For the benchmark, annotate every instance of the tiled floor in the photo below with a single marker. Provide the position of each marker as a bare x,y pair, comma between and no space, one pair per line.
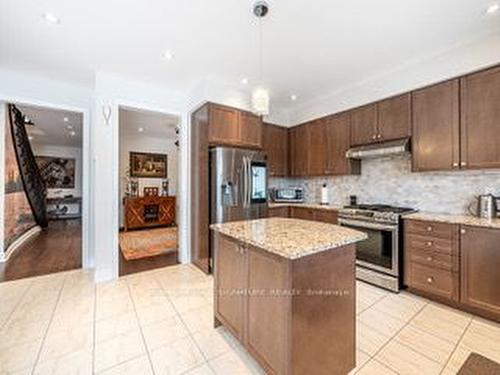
160,322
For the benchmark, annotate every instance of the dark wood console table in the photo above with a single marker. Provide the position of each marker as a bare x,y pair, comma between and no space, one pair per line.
150,211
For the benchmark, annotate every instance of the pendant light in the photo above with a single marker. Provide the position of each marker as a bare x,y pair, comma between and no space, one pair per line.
260,95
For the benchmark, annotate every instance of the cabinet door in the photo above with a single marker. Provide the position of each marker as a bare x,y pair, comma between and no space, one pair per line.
303,213
275,144
250,130
230,269
278,212
394,118
299,154
223,125
338,131
317,148
364,125
480,259
480,137
267,337
436,125
326,216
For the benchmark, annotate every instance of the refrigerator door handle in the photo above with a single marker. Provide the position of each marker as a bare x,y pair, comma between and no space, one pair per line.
245,182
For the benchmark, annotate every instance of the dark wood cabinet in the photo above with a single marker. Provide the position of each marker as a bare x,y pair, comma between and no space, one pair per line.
299,152
364,125
480,122
394,118
275,145
233,127
480,265
317,148
278,212
436,127
337,135
314,214
230,276
147,212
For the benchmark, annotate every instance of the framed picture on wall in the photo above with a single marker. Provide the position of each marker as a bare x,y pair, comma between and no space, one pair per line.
147,165
58,173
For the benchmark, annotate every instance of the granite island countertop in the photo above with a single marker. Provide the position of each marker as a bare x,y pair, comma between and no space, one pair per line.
290,238
316,206
455,219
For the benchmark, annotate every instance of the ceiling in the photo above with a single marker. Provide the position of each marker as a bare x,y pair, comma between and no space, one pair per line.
135,122
310,47
51,128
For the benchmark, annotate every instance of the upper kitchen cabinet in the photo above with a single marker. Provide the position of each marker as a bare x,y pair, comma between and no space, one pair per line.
232,127
364,125
275,145
338,134
317,148
480,126
394,118
383,121
436,127
299,150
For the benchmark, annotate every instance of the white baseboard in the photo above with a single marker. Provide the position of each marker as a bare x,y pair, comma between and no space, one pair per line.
20,241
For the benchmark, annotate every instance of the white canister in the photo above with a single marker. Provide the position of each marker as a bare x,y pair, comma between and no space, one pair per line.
324,195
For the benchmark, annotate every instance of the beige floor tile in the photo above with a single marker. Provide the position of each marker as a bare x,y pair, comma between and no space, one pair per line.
108,307
201,370
199,319
19,357
404,360
237,361
484,338
109,328
177,357
429,345
457,359
164,332
118,350
15,333
445,323
381,321
61,342
77,363
368,339
374,367
399,306
213,342
361,359
187,300
155,313
136,366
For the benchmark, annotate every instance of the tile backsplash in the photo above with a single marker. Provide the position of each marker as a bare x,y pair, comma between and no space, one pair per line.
390,181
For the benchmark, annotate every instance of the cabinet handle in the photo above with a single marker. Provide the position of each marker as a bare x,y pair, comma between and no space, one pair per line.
379,136
374,136
462,231
429,259
429,229
455,165
429,243
463,164
430,280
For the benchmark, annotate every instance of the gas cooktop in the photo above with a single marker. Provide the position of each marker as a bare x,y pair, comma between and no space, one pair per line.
374,212
380,208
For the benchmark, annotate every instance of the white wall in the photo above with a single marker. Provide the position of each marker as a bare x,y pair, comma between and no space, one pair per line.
143,143
63,152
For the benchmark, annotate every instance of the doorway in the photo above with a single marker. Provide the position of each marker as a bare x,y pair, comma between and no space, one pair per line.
54,137
148,189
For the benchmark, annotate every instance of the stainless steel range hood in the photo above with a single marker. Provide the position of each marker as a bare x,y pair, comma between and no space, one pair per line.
378,150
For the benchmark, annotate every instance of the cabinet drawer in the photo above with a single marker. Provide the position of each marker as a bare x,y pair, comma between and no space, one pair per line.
439,245
431,229
326,216
433,259
433,280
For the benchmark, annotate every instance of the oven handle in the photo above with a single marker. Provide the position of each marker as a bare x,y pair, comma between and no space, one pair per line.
362,224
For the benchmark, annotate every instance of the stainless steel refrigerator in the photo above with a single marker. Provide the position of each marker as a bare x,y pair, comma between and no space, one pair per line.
238,184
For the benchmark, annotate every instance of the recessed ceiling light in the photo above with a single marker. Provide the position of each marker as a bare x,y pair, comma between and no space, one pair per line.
140,130
493,8
72,133
168,55
51,18
293,97
244,81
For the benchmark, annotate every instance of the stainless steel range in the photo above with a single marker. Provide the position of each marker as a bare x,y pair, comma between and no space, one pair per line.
379,258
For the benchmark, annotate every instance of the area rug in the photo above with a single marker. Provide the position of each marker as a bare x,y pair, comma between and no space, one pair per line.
147,243
478,365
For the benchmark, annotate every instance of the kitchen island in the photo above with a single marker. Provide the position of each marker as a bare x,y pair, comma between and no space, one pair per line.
286,288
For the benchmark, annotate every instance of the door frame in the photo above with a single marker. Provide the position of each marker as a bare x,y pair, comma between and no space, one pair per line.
87,254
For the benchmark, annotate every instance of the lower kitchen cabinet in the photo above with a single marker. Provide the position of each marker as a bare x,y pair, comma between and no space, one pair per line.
454,264
278,212
314,214
480,269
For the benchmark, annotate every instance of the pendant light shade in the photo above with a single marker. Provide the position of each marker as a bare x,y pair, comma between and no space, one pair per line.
260,101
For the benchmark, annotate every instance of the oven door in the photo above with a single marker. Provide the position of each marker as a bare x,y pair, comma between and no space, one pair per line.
380,251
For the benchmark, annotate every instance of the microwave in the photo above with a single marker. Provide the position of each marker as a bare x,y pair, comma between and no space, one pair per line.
286,195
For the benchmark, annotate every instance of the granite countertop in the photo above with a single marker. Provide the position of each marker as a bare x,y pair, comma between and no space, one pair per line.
455,219
290,238
315,206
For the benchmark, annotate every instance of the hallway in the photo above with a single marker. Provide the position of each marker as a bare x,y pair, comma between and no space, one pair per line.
56,249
